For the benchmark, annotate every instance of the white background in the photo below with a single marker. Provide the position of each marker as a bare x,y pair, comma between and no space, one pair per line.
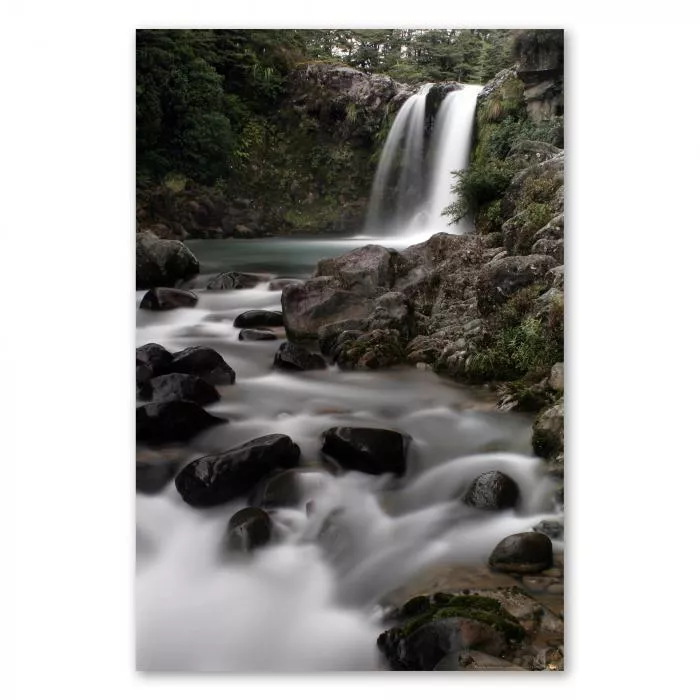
66,345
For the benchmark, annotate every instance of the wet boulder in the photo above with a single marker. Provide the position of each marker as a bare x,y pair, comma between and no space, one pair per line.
554,529
281,282
248,529
220,478
329,336
257,318
492,491
232,280
161,263
172,421
256,334
155,357
548,432
370,450
365,271
203,362
293,357
318,302
523,553
155,469
393,311
183,387
500,279
279,490
166,299
374,350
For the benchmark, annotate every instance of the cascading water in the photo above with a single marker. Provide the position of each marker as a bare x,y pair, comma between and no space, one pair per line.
410,202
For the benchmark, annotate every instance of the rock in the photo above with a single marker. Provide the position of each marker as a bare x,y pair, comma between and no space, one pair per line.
364,270
523,553
282,282
143,376
155,469
553,229
183,387
531,152
548,246
165,299
556,376
552,528
552,169
370,450
318,302
291,356
281,490
247,530
500,279
203,362
155,357
255,318
555,278
492,491
393,311
172,421
160,262
219,478
256,334
374,350
548,431
328,335
233,280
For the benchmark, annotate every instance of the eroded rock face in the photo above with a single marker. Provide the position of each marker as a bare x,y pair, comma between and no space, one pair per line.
293,357
172,421
203,362
162,262
492,491
219,478
369,450
248,529
523,553
166,299
500,279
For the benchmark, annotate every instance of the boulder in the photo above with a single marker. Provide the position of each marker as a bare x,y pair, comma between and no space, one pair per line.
393,311
374,350
155,469
329,335
143,376
233,280
548,431
291,356
552,169
318,302
160,262
155,357
203,362
549,246
500,279
172,421
279,490
258,317
556,376
370,450
282,282
554,529
166,299
256,334
183,387
492,491
247,530
220,478
523,553
365,270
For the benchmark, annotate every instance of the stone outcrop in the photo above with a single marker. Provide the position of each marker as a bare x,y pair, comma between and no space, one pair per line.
162,262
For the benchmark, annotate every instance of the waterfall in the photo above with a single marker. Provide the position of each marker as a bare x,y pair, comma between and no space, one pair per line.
412,187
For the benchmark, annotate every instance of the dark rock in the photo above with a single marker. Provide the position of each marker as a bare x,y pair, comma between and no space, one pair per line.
160,262
282,282
318,302
219,478
255,318
369,450
524,553
233,280
552,528
143,376
374,350
291,356
393,311
166,299
183,387
205,363
548,246
155,357
172,421
492,491
364,270
256,334
328,335
155,469
281,490
247,530
548,431
500,279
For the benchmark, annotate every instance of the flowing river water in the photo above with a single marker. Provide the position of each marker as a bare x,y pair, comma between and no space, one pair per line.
310,601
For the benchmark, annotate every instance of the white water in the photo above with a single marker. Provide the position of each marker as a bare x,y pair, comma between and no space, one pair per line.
412,203
310,601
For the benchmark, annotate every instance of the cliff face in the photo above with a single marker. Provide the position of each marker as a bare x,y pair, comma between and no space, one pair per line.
310,168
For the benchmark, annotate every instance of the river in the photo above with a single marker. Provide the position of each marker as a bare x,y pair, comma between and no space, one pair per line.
308,602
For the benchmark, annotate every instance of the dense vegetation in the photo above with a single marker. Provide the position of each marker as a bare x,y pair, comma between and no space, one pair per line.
203,96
